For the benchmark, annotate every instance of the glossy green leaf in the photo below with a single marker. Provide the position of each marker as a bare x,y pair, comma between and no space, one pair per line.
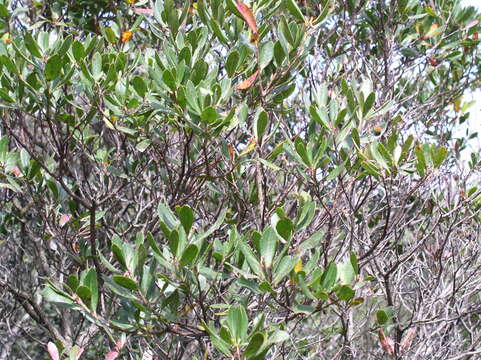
251,259
31,45
285,228
255,345
346,272
125,282
345,293
381,317
110,35
167,216
140,86
97,66
291,5
368,103
284,267
53,67
188,255
232,63
268,246
90,282
186,216
237,322
57,298
266,54
261,123
329,277
209,115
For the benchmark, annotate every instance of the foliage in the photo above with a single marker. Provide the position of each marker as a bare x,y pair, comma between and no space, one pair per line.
219,179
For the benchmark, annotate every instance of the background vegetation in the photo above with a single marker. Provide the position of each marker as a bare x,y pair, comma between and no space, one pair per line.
270,179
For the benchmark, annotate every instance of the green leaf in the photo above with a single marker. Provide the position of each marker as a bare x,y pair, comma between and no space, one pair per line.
278,336
4,11
279,54
438,154
119,290
53,67
255,345
6,97
266,54
268,246
55,297
284,267
269,164
97,66
266,287
140,86
302,151
169,79
294,10
186,216
308,212
329,277
174,243
261,122
324,13
368,103
381,317
421,163
117,249
72,282
148,277
32,45
237,322
354,263
110,35
251,259
218,31
91,282
5,60
84,293
125,282
232,63
334,173
285,228
167,216
345,293
217,341
189,255
217,225
172,18
303,309
346,272
313,241
209,115
143,145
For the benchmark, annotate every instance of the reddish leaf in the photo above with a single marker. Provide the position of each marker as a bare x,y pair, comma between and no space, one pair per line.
408,339
78,352
246,13
115,352
16,171
471,24
143,11
433,61
112,355
247,83
53,351
64,218
386,342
